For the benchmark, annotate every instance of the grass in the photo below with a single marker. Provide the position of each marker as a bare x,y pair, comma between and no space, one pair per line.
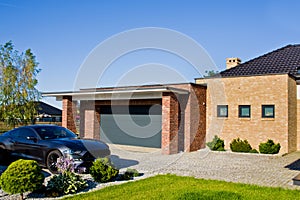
177,187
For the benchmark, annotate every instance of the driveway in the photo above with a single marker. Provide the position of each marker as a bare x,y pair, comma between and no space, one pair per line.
266,170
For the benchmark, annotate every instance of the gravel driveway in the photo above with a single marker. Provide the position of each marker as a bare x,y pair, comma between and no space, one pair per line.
266,170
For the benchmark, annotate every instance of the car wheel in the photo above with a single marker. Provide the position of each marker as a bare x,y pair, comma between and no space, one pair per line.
51,161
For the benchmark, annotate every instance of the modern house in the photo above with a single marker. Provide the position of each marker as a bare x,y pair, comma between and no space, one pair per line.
256,100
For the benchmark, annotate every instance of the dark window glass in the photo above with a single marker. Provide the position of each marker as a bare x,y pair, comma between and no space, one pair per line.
244,111
268,111
222,110
52,132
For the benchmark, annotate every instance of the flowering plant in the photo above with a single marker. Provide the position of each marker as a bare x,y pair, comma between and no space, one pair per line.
67,165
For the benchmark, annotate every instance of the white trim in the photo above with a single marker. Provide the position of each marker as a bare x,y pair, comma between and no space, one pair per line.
148,93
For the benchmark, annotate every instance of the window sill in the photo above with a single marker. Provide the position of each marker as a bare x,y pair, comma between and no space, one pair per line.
268,119
244,118
222,118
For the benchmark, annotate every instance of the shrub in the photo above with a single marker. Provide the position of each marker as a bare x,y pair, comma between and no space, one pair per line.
269,147
129,174
103,171
253,151
238,145
22,176
217,144
67,182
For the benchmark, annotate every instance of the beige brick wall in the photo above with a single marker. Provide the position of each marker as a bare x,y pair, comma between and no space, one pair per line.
298,124
279,90
292,113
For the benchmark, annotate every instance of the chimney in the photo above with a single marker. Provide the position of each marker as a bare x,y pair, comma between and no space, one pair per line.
232,62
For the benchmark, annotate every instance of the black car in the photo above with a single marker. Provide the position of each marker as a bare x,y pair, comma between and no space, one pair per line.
46,143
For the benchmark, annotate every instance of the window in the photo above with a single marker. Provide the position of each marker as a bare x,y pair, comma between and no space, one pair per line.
268,111
222,110
244,111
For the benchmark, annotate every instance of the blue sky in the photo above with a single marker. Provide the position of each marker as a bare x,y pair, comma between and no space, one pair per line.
63,33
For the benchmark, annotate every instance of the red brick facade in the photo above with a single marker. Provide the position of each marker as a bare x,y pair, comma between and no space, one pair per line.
183,117
170,123
68,113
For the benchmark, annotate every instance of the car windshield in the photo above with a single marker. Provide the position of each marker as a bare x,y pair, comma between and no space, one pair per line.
53,132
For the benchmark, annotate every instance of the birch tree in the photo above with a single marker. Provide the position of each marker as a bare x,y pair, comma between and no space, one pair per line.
18,81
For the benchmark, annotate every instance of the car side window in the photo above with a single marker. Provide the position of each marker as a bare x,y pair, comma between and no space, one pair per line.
14,133
23,133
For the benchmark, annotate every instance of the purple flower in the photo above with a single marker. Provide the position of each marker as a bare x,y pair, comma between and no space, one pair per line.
65,165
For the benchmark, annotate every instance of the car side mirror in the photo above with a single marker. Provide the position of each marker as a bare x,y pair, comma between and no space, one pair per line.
32,138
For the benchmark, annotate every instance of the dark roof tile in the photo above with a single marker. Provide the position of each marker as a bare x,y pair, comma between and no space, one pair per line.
43,108
285,60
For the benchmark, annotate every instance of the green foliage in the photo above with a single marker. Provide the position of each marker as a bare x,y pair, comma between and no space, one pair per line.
269,147
22,176
65,183
17,85
129,174
217,144
103,171
210,73
238,145
253,151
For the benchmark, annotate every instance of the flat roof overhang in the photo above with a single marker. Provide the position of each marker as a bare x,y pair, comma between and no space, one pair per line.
116,94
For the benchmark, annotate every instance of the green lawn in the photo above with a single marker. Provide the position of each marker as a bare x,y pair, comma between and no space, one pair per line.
177,187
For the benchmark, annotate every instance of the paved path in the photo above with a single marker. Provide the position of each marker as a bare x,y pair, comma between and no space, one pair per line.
267,170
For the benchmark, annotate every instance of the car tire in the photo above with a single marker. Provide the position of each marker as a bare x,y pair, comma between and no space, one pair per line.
51,161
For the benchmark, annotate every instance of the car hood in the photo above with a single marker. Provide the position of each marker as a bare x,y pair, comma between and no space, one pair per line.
81,144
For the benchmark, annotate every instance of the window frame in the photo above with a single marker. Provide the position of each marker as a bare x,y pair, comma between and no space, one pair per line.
219,107
240,111
263,113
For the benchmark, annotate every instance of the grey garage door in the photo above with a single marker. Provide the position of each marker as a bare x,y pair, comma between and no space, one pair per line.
131,125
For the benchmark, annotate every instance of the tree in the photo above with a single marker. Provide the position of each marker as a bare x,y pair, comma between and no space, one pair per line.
210,73
18,82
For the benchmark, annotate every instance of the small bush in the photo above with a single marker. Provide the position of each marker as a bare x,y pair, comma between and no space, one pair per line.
103,171
22,176
217,144
238,145
65,183
253,151
269,147
129,174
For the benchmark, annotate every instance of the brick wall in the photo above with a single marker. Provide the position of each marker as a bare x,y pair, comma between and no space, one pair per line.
292,115
89,120
183,117
68,113
255,91
170,123
192,129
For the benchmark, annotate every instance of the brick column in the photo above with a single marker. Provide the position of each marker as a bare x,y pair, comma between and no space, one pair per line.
170,123
89,120
195,139
68,111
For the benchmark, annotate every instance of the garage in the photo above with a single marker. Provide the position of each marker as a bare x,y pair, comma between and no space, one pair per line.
171,117
131,125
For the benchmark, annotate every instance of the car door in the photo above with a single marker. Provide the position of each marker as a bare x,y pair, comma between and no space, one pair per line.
26,144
